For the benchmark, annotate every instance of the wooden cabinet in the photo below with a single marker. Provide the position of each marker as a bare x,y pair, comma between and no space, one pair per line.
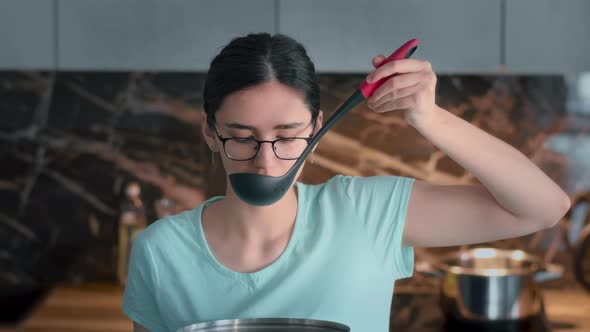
27,34
547,36
457,36
152,34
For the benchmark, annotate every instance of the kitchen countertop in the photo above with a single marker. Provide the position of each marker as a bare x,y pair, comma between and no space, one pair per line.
95,308
567,310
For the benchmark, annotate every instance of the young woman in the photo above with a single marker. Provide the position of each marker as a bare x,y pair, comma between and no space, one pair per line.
331,251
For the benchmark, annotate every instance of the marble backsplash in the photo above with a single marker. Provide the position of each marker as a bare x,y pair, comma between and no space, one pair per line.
70,141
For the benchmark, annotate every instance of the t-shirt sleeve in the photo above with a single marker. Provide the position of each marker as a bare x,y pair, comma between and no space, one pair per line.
139,299
381,202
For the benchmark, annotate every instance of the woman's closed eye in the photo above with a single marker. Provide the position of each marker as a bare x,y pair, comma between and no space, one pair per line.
287,139
244,140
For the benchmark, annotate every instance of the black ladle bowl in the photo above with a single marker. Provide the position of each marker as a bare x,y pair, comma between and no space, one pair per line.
258,189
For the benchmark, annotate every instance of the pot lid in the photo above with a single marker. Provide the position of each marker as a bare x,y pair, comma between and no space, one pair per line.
491,262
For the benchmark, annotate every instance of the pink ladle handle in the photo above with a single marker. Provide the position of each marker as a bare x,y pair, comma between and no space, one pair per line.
404,52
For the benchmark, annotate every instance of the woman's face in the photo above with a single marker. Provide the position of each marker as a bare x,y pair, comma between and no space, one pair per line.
266,111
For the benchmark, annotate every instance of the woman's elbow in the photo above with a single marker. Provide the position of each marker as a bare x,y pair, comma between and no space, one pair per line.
561,210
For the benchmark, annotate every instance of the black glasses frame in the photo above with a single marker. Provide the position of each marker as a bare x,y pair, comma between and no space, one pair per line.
223,140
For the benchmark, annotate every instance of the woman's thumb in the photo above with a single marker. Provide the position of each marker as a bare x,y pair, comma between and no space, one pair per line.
377,60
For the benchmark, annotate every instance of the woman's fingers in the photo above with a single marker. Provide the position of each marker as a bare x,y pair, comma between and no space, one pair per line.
398,104
390,87
409,87
397,94
376,61
398,67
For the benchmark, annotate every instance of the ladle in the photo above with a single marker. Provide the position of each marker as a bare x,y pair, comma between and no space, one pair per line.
259,189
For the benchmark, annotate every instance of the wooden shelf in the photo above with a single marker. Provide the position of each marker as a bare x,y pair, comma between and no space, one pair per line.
87,308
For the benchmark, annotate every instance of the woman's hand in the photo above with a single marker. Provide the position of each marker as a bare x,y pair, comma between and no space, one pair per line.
412,89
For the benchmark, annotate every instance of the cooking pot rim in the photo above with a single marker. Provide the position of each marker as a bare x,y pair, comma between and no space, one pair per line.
267,322
446,262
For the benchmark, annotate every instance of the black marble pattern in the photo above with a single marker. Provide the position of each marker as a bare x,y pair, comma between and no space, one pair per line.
69,141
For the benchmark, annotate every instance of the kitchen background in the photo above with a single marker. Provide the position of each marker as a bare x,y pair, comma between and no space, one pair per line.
95,95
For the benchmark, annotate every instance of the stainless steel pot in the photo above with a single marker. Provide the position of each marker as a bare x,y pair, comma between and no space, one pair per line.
488,284
267,325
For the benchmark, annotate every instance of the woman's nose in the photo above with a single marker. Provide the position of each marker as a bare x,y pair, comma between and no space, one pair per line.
266,155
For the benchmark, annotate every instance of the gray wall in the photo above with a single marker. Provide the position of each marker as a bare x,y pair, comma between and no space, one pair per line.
27,34
458,36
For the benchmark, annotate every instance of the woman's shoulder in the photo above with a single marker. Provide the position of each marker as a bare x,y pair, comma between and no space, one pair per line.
170,228
349,186
328,189
347,181
339,180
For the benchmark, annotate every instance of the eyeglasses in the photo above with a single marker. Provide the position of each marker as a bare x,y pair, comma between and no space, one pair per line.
243,149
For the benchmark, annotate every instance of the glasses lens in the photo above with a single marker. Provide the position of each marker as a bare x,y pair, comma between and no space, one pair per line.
290,148
241,148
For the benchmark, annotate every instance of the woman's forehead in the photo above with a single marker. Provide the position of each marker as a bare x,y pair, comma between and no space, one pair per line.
267,104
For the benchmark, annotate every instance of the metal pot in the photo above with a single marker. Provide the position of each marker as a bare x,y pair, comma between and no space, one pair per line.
267,325
488,284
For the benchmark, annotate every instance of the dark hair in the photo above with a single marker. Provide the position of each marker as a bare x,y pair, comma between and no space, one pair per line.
255,59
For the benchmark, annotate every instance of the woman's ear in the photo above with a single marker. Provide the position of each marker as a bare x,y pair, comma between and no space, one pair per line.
208,134
319,121
318,125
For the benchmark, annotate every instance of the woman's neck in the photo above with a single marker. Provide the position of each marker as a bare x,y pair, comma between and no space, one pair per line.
257,223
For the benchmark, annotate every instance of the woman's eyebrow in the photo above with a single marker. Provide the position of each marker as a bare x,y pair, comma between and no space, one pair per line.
291,125
235,125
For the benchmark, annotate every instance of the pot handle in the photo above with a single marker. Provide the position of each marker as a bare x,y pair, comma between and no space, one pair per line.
427,269
549,272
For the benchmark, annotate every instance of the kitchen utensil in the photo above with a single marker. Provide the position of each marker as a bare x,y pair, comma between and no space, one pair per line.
267,325
488,284
258,189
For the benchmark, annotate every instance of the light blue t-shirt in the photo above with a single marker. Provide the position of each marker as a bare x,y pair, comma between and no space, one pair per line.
340,264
